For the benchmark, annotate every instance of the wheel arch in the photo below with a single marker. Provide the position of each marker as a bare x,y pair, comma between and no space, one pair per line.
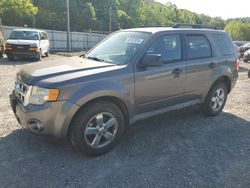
223,79
115,100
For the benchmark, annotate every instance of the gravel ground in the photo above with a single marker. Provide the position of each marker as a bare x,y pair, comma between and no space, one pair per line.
177,149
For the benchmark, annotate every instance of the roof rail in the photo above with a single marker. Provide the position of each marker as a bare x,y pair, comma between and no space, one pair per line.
195,26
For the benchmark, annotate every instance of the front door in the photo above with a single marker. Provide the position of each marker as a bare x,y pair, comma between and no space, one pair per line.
163,86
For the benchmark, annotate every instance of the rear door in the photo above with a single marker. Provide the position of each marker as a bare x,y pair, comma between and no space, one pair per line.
200,64
159,87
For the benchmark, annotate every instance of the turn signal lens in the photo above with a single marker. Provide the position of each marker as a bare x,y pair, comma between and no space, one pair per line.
53,94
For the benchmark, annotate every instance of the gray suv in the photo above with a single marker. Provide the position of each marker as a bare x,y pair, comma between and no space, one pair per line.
131,75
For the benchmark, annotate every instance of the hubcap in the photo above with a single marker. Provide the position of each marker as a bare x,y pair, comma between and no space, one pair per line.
101,130
218,99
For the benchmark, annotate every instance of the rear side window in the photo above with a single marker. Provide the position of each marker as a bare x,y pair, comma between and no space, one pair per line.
224,44
44,36
198,47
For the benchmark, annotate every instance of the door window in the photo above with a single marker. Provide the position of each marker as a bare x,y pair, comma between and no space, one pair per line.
168,46
198,47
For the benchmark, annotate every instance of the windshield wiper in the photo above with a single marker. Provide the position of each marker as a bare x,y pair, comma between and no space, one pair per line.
96,59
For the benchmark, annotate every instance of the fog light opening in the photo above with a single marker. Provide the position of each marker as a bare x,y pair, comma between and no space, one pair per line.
35,125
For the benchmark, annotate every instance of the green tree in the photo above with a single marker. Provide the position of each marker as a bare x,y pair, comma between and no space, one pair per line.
238,31
17,12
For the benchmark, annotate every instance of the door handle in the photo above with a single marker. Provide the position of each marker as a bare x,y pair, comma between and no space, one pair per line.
211,65
177,71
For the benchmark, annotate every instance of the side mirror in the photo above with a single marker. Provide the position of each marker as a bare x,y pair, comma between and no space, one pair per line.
151,60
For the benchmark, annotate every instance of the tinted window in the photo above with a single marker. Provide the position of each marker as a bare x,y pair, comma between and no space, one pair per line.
44,36
224,44
168,46
198,47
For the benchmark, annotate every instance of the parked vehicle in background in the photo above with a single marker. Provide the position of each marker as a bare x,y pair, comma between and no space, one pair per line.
239,44
2,45
27,43
237,49
131,75
244,48
246,56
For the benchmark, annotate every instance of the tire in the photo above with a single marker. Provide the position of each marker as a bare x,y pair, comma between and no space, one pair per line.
47,54
10,57
215,100
1,54
39,56
93,118
245,60
1,51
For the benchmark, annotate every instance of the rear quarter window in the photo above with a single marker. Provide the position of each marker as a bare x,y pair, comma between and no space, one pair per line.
224,44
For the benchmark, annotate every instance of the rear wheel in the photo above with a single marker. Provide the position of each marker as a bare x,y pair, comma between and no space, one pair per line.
216,100
47,54
97,128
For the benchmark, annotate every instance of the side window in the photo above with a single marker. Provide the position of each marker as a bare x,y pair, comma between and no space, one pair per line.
168,46
198,47
44,36
224,44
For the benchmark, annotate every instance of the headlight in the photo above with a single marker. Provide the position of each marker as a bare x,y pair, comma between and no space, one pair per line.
33,46
41,95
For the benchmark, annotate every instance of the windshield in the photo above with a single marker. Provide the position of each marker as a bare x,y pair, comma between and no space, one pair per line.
119,48
24,35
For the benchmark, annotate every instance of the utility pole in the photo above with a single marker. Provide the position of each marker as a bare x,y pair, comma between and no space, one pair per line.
67,24
110,19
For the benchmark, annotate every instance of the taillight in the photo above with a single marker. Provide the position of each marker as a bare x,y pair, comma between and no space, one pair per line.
237,64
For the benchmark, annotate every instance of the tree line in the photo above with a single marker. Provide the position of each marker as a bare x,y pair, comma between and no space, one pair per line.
95,15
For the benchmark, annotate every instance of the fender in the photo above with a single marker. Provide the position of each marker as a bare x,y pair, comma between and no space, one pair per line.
105,88
222,71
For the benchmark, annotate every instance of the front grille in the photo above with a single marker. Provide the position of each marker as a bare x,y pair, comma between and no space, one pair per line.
20,48
22,92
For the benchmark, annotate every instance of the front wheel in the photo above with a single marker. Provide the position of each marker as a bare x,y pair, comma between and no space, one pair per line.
39,56
215,100
97,128
10,57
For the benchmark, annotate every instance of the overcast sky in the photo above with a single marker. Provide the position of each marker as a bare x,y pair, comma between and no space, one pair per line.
222,8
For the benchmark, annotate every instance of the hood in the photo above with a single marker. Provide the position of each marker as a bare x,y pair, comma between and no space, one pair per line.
66,70
22,42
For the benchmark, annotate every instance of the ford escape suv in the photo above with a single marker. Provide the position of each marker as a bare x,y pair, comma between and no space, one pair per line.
130,75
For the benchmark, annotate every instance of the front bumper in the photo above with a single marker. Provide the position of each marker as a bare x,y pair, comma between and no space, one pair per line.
54,117
23,54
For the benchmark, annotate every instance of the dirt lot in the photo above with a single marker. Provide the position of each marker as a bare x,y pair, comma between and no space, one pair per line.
177,149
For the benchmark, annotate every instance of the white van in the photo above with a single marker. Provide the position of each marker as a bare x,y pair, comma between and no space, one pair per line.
27,43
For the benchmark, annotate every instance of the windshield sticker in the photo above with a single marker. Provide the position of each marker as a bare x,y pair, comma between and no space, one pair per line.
134,40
